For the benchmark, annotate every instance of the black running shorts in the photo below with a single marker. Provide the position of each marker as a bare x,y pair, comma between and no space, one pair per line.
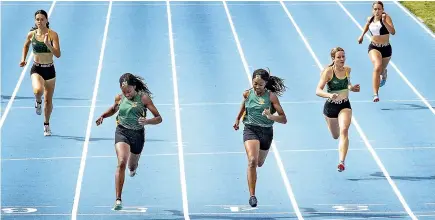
262,134
331,110
46,71
134,138
385,50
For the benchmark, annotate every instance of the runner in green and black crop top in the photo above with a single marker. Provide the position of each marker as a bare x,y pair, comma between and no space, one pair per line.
257,110
45,43
337,109
338,85
131,106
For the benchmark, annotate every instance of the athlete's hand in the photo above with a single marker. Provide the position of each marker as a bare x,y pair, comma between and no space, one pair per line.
384,15
99,120
355,88
266,113
142,121
46,40
360,39
236,125
23,63
333,96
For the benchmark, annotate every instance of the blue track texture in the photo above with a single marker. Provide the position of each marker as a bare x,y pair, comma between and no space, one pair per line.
205,156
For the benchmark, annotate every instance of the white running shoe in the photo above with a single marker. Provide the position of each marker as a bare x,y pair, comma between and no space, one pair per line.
47,130
118,205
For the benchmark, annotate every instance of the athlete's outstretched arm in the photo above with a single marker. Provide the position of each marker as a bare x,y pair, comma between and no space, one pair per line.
365,29
241,113
55,49
242,106
111,111
350,86
388,22
146,100
324,78
281,117
26,47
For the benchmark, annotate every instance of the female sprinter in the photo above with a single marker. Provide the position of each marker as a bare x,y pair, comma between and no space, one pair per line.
130,133
45,43
337,108
257,109
380,51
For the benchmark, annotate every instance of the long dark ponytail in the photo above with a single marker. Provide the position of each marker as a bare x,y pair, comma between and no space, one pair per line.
135,80
42,12
273,83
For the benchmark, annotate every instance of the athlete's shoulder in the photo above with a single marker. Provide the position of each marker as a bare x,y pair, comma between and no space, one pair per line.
145,98
327,70
326,74
370,18
273,96
30,34
348,69
118,98
51,31
387,17
246,93
52,34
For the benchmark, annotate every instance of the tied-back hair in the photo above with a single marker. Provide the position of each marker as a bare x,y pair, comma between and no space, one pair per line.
273,83
333,52
42,12
378,2
135,80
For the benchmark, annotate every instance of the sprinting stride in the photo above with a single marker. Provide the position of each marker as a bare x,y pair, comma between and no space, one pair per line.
380,51
45,43
337,109
257,113
132,105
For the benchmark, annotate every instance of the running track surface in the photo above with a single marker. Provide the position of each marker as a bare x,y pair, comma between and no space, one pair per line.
197,58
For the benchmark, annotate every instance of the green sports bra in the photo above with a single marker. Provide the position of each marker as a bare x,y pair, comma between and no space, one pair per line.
40,47
336,84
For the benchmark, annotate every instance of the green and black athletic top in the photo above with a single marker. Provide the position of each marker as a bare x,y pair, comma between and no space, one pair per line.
39,46
130,110
336,84
254,107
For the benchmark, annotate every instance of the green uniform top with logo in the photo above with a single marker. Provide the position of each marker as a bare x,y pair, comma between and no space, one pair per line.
254,107
336,84
130,111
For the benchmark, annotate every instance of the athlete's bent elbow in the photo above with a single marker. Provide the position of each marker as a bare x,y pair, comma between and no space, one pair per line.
318,93
159,119
284,120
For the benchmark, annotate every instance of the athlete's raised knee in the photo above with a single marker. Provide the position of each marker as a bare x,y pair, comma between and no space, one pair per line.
344,131
378,67
38,90
122,164
252,162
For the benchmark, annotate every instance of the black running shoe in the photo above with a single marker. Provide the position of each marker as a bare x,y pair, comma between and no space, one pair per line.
253,201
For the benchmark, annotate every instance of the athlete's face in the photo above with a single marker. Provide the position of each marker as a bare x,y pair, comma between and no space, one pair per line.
258,84
339,58
129,91
378,10
40,20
